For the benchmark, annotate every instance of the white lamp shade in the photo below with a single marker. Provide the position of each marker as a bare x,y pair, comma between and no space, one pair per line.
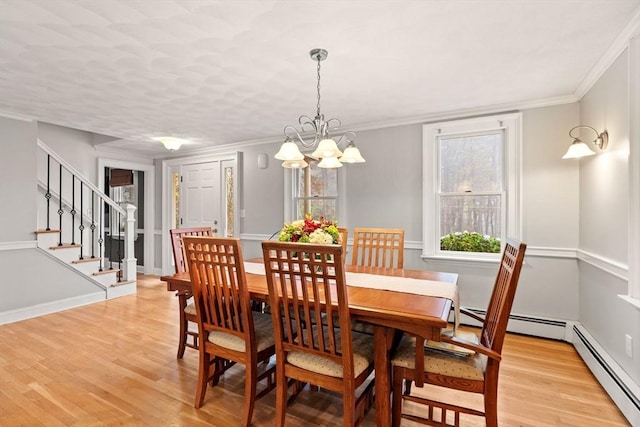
352,155
578,149
171,143
289,151
294,164
330,162
327,148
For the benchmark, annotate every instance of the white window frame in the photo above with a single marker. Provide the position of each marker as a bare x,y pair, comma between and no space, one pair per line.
511,125
289,196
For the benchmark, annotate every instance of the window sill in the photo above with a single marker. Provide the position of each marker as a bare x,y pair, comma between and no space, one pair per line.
633,301
460,260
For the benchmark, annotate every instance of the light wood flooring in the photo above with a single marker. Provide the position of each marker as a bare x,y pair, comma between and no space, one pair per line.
113,363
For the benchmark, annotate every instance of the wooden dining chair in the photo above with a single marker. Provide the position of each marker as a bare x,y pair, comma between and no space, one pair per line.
476,372
228,328
301,278
344,236
378,247
187,310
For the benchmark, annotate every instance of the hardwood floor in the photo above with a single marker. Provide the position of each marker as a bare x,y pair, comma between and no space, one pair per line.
113,363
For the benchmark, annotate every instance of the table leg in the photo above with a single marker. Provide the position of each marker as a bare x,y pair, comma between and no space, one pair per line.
383,338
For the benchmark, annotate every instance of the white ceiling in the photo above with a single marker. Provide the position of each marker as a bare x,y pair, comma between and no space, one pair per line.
220,72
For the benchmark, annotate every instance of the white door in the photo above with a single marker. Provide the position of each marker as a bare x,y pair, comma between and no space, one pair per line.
200,196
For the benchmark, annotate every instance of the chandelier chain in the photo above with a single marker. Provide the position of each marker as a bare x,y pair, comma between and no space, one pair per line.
318,106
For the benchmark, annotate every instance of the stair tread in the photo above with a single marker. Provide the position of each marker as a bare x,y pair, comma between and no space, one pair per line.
99,273
65,246
87,259
46,231
124,282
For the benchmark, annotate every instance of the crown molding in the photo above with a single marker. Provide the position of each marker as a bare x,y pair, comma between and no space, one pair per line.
617,47
16,116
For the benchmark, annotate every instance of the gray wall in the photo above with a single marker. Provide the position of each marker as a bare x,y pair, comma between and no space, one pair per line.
386,191
17,180
604,195
29,276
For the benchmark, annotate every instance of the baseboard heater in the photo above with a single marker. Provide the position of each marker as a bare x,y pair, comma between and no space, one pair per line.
527,325
609,375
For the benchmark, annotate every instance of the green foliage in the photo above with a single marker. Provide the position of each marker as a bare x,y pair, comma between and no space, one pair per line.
470,242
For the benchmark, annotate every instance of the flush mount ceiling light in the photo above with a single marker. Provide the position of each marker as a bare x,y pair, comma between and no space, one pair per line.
579,149
171,143
325,147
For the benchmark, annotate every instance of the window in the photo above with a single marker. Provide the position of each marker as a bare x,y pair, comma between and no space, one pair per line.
471,186
314,190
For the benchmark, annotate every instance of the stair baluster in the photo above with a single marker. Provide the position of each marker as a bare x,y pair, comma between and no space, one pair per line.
120,240
101,234
47,195
111,239
60,210
93,224
81,227
73,209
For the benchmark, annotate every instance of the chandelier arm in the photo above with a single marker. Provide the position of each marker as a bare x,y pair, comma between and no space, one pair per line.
328,122
292,133
307,121
348,138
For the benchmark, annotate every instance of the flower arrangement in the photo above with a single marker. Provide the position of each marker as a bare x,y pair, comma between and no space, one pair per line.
309,230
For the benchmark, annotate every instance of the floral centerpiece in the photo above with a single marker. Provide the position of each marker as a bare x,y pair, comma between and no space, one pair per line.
309,230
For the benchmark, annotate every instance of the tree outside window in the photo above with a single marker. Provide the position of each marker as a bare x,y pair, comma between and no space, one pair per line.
471,192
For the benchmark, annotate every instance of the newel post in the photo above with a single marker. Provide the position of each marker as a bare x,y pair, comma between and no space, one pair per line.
129,254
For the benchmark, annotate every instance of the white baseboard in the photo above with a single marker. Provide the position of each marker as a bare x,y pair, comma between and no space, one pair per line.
49,307
624,392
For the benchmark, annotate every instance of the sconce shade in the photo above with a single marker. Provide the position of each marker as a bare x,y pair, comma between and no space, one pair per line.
289,151
352,155
330,162
327,148
294,164
578,149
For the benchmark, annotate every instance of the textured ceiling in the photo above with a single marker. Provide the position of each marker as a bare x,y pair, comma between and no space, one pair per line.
220,72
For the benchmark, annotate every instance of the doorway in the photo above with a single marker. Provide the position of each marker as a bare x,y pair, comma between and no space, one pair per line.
145,175
199,192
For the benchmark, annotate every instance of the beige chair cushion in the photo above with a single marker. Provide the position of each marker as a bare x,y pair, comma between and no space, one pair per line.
362,357
445,346
263,327
190,309
470,367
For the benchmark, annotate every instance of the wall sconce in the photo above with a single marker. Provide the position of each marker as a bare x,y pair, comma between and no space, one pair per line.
579,149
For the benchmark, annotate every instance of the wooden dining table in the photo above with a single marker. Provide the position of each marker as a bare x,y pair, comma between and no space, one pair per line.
387,310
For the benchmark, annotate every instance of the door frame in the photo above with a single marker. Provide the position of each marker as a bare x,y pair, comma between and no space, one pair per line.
167,165
149,204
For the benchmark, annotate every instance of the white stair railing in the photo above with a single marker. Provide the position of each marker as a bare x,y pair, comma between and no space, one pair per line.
85,205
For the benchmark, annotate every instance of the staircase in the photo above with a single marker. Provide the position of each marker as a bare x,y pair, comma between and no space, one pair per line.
85,220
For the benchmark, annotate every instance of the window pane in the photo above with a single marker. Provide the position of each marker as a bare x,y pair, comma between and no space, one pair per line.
480,214
317,208
316,182
471,163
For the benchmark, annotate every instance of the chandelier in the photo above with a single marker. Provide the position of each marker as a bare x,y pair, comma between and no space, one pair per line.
325,148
